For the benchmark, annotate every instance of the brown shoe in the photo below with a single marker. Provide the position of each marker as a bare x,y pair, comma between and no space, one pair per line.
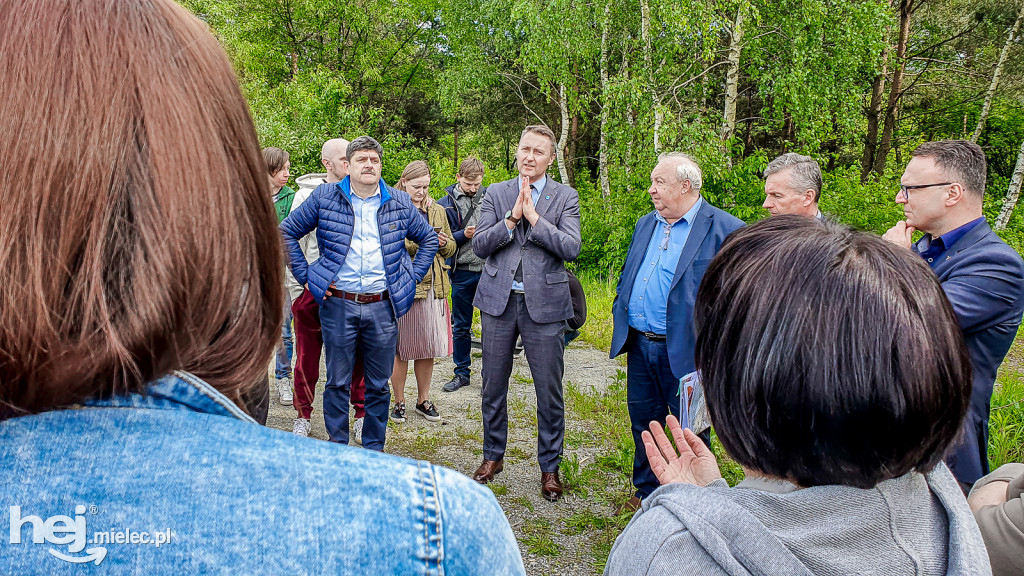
485,473
550,486
628,507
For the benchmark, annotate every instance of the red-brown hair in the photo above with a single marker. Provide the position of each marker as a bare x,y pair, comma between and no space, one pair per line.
137,236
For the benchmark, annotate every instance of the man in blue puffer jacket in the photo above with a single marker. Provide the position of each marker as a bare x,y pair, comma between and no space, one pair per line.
364,280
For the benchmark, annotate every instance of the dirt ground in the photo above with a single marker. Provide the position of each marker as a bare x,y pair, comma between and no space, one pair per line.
547,544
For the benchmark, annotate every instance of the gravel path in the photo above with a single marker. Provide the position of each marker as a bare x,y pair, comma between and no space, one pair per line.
547,546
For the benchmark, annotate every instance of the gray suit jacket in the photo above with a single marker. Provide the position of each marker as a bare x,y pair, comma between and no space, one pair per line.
543,251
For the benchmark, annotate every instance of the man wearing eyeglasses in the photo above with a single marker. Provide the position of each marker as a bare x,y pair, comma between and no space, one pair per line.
653,308
942,193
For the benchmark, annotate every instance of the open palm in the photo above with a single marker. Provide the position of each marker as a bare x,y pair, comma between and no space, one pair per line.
693,463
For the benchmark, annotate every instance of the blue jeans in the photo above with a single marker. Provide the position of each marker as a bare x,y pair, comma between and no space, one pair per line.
371,328
463,290
283,364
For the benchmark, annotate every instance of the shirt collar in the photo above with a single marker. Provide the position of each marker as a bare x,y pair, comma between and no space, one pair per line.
540,184
688,217
179,390
346,188
954,235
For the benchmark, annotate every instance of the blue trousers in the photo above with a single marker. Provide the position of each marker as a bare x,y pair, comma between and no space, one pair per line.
283,362
652,393
463,290
370,328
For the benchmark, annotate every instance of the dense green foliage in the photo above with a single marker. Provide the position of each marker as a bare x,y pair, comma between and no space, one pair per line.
443,79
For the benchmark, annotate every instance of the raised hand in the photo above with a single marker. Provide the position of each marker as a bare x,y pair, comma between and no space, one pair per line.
692,464
900,234
529,210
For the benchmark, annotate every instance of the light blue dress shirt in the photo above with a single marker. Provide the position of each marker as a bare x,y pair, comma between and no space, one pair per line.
648,300
537,188
363,269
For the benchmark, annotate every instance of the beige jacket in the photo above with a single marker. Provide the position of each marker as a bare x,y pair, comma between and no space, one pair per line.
437,277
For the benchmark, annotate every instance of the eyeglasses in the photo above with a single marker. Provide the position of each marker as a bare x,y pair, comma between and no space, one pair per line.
905,190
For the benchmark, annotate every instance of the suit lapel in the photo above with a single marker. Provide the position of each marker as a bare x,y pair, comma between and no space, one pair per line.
698,231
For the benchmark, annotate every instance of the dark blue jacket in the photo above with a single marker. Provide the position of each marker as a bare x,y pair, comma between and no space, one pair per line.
329,211
984,281
710,228
451,210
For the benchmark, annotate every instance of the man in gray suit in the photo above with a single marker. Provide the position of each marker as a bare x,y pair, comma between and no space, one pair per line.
529,227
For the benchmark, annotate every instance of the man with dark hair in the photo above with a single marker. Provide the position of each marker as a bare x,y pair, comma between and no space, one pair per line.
363,280
529,227
653,308
942,192
462,206
792,185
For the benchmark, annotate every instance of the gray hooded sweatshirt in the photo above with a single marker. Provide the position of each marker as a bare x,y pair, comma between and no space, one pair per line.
914,525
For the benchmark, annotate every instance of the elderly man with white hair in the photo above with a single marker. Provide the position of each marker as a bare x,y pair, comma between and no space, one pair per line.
653,309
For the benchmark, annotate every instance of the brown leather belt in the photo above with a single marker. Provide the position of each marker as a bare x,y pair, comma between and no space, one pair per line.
360,298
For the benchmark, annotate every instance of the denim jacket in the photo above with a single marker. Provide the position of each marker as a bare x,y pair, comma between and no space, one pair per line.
181,481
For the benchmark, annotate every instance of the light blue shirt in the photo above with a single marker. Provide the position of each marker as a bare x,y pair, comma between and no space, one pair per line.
648,300
537,188
363,269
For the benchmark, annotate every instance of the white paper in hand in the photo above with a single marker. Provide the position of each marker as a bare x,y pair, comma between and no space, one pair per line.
692,403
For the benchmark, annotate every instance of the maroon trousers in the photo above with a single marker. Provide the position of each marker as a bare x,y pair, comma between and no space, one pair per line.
309,341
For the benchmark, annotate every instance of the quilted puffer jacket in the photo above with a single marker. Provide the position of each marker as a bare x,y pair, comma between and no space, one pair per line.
329,211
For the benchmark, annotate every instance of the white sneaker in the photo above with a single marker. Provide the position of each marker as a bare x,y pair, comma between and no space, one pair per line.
284,388
357,431
301,427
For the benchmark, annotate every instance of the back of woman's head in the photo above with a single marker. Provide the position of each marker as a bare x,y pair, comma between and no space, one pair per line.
829,356
137,232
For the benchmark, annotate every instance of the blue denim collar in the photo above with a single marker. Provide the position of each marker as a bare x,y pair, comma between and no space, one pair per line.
177,391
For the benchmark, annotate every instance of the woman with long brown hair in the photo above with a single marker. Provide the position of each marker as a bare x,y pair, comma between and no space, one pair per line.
425,332
141,298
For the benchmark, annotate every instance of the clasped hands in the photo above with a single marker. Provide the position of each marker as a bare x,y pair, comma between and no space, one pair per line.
692,463
524,207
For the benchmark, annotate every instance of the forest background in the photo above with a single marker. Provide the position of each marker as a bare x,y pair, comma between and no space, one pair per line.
856,84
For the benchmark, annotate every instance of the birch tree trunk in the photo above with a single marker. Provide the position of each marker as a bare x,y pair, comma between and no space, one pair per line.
995,78
563,104
1014,192
602,162
906,8
645,37
732,74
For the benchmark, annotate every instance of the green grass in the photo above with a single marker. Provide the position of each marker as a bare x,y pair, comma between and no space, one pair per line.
539,538
600,293
1006,423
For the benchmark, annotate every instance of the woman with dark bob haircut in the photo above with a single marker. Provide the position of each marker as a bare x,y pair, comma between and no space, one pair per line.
836,375
140,265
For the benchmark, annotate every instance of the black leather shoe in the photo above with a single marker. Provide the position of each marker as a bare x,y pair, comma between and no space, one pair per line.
485,473
550,486
455,383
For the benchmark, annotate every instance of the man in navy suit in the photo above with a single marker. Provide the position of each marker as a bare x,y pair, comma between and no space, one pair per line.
653,308
942,192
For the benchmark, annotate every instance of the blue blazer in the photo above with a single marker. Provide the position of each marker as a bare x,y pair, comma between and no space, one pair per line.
984,281
710,228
